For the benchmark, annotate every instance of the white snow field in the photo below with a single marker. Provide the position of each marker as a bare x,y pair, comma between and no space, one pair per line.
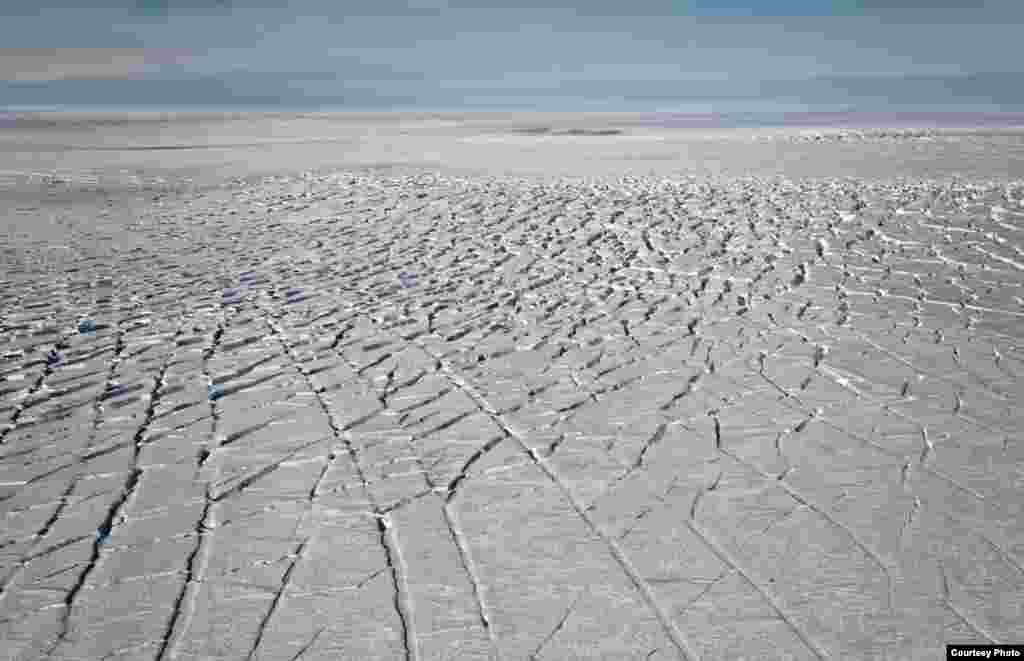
508,395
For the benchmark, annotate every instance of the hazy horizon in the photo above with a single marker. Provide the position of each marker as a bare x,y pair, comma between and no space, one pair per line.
695,56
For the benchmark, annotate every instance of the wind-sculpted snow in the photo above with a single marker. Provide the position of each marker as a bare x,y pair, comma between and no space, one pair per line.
368,417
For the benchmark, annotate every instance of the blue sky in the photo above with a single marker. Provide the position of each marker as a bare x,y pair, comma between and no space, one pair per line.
683,55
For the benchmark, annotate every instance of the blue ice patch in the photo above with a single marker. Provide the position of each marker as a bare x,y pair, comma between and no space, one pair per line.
407,279
231,297
116,390
295,295
102,534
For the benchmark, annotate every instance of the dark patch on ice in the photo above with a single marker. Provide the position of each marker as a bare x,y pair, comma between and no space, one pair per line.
546,130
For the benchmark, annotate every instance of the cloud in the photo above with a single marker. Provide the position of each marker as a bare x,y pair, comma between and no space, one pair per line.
41,64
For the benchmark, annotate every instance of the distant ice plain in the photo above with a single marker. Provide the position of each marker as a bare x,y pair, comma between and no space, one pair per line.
214,145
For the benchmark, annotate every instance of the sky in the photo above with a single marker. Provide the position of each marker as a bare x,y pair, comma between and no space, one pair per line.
642,55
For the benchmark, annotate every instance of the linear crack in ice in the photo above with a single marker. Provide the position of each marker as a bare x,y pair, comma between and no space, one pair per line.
731,562
682,646
278,596
402,599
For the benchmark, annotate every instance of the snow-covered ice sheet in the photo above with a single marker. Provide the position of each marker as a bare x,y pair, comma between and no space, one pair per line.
362,416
